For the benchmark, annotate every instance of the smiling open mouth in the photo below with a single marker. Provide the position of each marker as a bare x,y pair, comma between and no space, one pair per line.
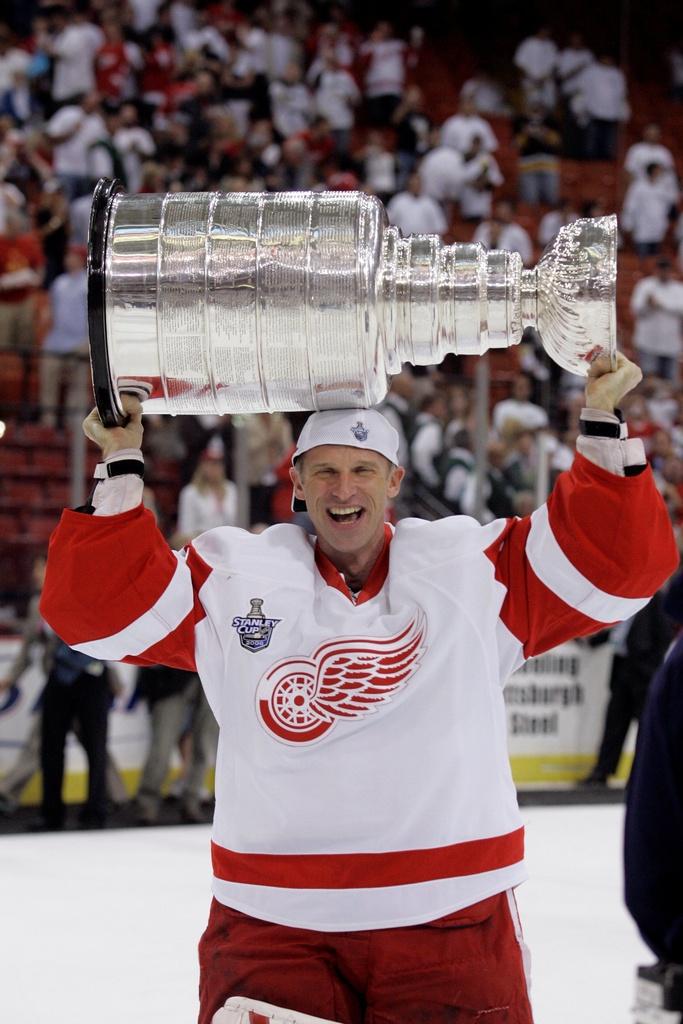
345,514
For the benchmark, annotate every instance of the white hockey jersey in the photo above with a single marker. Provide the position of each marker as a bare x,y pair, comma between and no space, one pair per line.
362,778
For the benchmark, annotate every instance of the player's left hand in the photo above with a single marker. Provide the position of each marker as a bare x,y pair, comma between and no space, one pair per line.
606,387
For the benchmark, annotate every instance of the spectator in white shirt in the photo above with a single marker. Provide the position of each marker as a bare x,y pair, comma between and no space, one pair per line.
502,232
459,129
336,96
135,145
571,61
144,13
291,102
657,305
536,59
72,131
650,151
486,94
551,222
426,447
65,346
336,40
13,61
210,499
647,209
73,49
518,412
602,94
282,47
441,173
415,213
380,166
204,38
480,176
254,39
183,19
386,60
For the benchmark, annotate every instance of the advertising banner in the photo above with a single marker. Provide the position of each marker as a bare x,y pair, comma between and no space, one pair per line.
555,711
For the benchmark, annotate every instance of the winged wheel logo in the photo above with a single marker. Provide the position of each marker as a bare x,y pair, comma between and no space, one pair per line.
300,699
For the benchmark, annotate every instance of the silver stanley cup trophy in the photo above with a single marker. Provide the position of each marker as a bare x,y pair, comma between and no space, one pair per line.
213,302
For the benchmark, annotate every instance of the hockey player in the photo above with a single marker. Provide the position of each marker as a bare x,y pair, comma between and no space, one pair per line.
366,838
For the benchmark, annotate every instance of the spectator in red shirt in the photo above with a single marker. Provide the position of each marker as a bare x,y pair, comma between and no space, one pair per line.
224,15
318,140
21,274
159,66
638,419
115,62
339,176
385,61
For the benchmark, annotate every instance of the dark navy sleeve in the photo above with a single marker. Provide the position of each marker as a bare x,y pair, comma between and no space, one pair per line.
673,598
653,845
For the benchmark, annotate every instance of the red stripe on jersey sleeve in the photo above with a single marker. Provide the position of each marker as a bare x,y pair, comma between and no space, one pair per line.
105,572
616,533
177,649
537,617
614,529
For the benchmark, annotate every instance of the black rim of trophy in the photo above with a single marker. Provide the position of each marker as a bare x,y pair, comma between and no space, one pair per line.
106,398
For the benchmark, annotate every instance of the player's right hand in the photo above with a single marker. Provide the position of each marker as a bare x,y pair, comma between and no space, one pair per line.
113,439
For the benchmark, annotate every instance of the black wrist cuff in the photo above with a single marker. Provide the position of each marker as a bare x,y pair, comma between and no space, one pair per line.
123,467
594,428
601,428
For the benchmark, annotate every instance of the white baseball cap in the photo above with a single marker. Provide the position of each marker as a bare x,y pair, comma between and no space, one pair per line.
354,428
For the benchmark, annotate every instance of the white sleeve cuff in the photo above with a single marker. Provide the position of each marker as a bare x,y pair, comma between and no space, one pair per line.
612,453
118,494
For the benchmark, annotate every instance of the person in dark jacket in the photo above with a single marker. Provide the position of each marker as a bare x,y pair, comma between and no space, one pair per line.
640,644
78,689
176,703
653,848
653,838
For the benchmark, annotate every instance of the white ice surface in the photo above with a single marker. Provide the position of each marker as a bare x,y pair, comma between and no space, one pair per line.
102,927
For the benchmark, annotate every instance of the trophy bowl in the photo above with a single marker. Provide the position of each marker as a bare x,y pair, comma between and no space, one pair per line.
219,303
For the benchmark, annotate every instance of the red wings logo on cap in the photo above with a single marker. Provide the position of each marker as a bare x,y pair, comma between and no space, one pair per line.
300,699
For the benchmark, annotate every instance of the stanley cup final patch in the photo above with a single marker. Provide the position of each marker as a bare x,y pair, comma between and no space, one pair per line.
254,629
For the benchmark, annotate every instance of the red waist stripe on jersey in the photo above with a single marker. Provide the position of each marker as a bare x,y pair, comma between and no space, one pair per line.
367,870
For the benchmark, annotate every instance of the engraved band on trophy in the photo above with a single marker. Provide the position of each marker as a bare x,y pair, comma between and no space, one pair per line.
213,302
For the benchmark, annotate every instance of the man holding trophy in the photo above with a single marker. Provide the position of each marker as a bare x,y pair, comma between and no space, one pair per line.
366,839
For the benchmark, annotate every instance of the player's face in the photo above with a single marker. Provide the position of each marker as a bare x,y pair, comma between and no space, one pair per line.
346,491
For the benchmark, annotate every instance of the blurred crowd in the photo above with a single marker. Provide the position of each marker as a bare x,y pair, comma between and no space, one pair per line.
192,95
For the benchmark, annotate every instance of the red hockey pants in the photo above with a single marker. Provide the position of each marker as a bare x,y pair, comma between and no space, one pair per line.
466,968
